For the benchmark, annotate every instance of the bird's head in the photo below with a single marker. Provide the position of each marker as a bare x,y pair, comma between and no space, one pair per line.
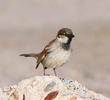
65,35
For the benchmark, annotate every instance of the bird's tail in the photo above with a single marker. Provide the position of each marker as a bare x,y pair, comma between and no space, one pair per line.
31,55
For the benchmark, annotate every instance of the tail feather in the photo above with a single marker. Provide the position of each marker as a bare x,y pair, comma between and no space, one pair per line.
37,65
30,55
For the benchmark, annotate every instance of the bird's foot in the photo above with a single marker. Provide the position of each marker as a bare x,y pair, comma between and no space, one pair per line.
61,78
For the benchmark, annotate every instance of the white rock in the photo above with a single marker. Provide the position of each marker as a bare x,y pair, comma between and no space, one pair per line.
48,88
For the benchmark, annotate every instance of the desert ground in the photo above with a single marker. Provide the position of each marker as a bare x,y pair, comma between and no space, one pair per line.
26,26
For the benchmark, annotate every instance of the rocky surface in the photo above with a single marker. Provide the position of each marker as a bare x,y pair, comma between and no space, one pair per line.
26,26
48,88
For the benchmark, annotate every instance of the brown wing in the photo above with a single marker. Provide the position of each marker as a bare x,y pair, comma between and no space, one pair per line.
44,53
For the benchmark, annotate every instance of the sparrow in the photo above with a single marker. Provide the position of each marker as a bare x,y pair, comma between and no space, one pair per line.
56,53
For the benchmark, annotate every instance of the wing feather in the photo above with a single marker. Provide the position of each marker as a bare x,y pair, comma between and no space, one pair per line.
45,52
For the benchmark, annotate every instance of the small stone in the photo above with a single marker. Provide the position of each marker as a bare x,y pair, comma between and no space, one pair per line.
50,86
51,95
23,96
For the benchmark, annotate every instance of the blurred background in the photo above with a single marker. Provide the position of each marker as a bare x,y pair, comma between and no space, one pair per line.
26,26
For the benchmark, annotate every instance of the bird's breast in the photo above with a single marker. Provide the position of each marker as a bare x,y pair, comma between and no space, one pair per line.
56,58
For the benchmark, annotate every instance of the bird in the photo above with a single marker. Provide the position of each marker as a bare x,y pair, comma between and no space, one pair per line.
56,53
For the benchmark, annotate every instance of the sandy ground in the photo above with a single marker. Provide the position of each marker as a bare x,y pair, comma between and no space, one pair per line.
28,25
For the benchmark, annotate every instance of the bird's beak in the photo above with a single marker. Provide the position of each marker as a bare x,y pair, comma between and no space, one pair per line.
72,35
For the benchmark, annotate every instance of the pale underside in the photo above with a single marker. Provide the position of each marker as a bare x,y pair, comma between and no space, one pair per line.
57,56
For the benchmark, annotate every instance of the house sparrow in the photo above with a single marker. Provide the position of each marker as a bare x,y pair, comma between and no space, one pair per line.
56,53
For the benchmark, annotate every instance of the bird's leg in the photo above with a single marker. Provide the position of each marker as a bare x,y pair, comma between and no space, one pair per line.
44,71
56,74
44,68
54,71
